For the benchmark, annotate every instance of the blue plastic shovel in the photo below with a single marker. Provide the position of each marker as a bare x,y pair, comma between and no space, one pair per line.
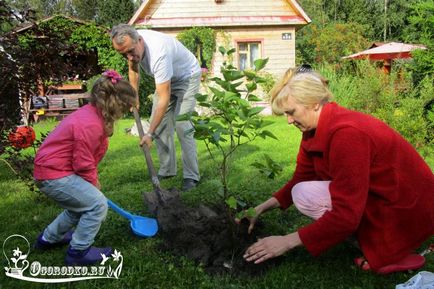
141,226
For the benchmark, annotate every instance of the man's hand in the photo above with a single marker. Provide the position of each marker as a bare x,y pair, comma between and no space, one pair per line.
146,140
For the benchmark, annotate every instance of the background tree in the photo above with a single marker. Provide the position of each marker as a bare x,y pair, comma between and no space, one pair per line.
328,43
384,19
85,9
112,12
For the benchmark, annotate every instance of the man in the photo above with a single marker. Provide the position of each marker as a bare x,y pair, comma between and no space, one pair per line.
177,78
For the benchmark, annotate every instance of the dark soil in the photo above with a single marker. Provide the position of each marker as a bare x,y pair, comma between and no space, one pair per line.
207,236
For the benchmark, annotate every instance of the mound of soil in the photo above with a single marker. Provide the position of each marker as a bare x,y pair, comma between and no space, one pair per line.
207,236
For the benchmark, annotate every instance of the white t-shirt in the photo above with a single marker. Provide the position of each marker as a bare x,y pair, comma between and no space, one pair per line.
166,58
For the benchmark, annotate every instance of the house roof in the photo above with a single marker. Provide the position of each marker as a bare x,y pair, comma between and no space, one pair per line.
30,25
391,50
142,18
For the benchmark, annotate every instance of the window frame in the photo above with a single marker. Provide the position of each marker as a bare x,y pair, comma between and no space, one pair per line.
249,41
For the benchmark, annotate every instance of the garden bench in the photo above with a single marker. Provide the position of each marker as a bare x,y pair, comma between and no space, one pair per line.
59,102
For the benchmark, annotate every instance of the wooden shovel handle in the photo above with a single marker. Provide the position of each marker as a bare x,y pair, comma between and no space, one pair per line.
149,163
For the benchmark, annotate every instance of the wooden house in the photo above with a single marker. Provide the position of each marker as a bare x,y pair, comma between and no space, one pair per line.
257,29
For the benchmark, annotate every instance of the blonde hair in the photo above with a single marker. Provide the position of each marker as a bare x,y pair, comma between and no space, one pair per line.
305,87
112,99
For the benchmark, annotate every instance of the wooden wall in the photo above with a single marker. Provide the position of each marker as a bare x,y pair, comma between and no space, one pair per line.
281,53
208,8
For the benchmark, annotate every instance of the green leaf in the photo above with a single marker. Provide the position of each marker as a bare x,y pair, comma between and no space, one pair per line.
251,86
216,137
182,117
253,97
231,51
251,212
259,79
232,75
232,202
260,63
201,97
266,133
240,215
241,114
230,96
249,74
216,91
222,50
255,110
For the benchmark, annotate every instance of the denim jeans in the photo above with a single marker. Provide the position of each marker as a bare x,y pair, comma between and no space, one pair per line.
85,207
182,100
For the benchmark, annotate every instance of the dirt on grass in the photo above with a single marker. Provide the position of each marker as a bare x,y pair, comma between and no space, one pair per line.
207,236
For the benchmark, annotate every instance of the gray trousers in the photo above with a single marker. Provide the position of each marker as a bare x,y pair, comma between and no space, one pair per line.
182,100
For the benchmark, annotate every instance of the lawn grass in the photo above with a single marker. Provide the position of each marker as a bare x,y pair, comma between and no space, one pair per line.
124,178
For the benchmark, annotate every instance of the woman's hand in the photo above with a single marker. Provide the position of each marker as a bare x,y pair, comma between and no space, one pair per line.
252,220
271,247
269,204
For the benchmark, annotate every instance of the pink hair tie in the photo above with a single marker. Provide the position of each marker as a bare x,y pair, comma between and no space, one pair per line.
113,75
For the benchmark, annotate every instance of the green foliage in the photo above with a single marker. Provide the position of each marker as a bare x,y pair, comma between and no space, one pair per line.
113,12
270,168
391,98
268,83
68,40
201,42
232,121
420,30
386,19
85,9
329,42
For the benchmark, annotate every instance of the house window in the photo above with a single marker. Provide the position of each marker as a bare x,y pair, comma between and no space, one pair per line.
248,52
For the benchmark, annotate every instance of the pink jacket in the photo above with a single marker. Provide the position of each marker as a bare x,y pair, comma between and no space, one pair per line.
381,189
75,146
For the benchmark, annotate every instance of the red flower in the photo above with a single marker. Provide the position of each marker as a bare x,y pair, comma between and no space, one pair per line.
22,137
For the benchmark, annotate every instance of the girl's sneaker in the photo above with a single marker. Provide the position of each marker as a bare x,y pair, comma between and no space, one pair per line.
41,244
88,256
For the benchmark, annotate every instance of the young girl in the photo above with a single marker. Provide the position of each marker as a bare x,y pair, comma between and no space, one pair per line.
66,169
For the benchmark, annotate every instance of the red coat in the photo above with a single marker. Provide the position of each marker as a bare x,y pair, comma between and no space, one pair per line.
381,189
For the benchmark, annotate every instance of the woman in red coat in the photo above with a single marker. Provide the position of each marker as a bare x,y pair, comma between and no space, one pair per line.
355,176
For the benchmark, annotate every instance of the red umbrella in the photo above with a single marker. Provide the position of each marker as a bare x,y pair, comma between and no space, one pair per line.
387,51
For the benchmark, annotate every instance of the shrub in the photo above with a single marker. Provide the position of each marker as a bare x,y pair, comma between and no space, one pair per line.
233,121
391,98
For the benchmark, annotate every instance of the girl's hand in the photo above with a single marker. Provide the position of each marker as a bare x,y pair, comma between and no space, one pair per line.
98,185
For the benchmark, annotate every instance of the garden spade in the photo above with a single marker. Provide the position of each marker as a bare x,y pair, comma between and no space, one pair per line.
141,226
158,197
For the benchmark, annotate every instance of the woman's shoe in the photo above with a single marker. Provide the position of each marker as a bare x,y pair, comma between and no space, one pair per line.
411,262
